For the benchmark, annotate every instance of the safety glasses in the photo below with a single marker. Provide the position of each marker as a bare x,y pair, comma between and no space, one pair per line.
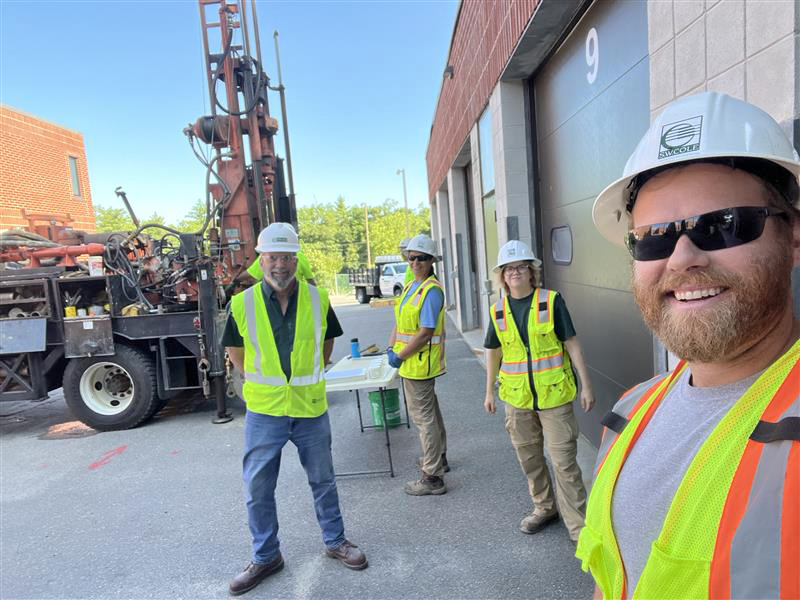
419,257
710,231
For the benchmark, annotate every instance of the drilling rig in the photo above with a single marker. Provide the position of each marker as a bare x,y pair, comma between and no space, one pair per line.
124,321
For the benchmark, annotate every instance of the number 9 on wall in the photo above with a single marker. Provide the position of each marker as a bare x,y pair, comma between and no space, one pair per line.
592,55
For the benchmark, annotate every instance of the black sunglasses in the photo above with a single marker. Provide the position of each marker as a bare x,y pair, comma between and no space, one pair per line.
710,231
419,257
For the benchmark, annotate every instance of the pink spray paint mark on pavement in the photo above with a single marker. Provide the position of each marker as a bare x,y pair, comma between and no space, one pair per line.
175,452
106,458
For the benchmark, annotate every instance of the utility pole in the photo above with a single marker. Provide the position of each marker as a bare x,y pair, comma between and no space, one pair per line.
366,229
405,200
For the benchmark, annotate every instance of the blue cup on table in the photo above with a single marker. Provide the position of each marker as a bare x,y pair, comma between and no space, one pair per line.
354,351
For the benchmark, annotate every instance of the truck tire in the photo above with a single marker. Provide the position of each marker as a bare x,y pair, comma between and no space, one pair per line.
398,289
361,296
112,392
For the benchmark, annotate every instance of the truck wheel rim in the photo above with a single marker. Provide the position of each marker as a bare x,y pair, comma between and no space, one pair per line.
106,388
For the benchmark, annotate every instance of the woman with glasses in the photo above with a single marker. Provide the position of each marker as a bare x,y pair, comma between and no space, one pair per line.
417,349
531,344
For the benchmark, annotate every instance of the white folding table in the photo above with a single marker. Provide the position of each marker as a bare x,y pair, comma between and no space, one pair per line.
367,372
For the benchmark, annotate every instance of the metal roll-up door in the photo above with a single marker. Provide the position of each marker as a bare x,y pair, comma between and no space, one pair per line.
592,104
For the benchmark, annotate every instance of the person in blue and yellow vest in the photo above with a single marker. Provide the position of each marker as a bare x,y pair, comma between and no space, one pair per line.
417,349
280,335
697,485
531,344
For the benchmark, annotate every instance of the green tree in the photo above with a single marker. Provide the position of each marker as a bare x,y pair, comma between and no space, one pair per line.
112,219
388,226
194,219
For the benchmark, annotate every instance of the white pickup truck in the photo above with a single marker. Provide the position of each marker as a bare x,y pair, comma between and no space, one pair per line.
387,278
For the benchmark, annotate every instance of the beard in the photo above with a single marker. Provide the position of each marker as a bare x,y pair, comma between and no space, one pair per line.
280,281
754,300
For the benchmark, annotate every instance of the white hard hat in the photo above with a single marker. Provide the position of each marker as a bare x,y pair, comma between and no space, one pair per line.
706,125
278,237
421,243
404,244
514,251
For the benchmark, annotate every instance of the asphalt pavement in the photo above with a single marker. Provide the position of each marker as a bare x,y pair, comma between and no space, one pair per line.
158,511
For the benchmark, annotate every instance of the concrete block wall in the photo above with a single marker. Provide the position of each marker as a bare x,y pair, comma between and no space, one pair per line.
511,159
481,268
745,48
35,172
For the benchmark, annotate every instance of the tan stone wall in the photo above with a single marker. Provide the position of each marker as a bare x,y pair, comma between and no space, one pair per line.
745,48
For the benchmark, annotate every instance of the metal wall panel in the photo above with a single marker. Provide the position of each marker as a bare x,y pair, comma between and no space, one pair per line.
591,102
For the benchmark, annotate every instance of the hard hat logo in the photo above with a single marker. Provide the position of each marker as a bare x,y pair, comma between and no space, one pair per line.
280,239
680,137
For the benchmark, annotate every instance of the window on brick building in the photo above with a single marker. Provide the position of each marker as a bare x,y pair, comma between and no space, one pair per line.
487,160
73,171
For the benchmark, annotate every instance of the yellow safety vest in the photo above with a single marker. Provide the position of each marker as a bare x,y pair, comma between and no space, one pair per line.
429,361
266,389
733,527
550,365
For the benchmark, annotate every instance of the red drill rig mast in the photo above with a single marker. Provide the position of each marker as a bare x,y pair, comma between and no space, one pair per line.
241,200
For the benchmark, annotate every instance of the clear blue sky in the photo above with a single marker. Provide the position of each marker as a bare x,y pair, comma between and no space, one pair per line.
362,80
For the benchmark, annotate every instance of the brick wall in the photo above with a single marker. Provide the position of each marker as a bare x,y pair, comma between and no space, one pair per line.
485,36
35,171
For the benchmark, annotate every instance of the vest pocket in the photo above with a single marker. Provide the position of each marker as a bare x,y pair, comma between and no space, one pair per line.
546,343
593,558
668,576
555,388
514,391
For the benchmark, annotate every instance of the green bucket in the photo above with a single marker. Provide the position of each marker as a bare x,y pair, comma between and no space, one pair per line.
391,400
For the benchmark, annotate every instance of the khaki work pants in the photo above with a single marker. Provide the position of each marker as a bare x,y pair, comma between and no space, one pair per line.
423,407
557,430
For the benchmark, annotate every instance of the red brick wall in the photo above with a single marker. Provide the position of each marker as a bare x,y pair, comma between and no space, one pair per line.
486,33
35,173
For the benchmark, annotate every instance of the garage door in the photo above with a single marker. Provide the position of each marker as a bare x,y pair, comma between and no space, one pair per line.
591,101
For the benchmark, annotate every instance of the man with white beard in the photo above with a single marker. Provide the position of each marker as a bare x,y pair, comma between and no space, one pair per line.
697,483
280,335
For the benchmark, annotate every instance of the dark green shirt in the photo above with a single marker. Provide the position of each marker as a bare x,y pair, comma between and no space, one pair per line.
283,326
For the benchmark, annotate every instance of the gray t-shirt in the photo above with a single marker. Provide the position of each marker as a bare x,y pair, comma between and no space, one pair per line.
658,461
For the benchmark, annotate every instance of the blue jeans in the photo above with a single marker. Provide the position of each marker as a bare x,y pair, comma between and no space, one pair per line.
264,438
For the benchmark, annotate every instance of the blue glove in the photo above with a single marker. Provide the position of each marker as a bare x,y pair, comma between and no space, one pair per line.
394,360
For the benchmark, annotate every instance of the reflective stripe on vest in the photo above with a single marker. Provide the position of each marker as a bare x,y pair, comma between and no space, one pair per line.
626,407
406,338
738,557
543,312
538,365
732,529
500,315
252,330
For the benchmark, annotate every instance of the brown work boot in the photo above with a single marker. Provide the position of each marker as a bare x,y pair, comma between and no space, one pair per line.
444,463
428,485
254,574
534,522
349,554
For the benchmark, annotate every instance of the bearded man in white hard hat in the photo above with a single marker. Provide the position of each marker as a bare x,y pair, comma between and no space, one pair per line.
531,345
303,271
280,334
416,348
697,487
